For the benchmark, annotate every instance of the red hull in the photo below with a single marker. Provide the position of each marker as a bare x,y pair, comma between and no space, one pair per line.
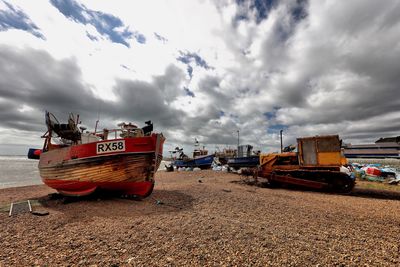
142,189
81,169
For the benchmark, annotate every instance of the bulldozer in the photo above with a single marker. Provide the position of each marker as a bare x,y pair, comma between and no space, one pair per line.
317,164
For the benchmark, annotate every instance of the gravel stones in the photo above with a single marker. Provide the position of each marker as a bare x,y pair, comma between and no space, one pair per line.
212,223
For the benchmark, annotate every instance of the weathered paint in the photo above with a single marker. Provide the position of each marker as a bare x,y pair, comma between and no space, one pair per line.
79,169
316,165
329,158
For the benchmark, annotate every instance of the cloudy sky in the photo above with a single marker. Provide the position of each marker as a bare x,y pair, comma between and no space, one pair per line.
202,69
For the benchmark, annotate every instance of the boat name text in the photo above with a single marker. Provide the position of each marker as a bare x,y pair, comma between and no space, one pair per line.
108,147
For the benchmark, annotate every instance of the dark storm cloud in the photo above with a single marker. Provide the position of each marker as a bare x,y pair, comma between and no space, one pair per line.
344,69
14,18
105,24
222,137
210,86
170,83
219,104
327,68
12,117
34,81
150,101
33,78
210,124
351,80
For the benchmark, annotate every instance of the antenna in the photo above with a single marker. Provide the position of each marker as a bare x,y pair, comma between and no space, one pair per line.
95,127
98,115
238,138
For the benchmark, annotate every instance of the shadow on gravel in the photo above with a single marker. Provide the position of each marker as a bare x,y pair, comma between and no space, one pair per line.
374,193
109,204
356,192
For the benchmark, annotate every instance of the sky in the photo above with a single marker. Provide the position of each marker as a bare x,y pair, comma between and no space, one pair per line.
202,69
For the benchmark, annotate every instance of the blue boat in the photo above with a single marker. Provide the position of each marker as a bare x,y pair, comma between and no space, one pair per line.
245,159
200,159
202,162
180,163
244,162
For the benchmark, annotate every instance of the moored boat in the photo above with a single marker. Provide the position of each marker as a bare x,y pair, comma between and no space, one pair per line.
245,158
243,162
122,160
224,155
202,162
200,159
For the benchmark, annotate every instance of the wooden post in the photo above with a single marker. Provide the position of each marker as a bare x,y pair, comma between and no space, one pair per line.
11,208
29,204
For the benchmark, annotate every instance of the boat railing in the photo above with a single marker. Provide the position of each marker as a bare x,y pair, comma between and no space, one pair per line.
108,134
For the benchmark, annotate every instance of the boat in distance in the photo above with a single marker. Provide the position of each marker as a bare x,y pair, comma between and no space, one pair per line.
245,158
244,162
201,159
202,162
123,160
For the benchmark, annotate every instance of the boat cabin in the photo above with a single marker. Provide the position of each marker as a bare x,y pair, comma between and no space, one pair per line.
199,152
70,134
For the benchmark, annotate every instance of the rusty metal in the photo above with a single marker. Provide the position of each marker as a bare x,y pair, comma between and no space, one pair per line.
316,165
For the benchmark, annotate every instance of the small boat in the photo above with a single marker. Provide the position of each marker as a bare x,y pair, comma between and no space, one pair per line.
243,162
123,160
224,155
245,159
200,159
203,162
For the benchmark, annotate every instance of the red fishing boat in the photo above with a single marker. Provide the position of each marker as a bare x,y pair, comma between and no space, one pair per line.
122,160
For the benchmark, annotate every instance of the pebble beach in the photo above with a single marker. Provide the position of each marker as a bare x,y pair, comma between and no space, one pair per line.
203,218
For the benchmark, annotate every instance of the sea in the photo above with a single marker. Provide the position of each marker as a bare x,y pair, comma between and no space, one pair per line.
20,171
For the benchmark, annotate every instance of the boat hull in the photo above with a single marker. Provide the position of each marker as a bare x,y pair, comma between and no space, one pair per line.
244,162
129,172
203,162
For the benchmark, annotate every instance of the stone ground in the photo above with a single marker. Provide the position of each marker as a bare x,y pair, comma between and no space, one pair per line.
203,219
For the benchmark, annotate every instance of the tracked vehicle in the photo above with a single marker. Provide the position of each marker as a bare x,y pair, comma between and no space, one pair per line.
318,164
